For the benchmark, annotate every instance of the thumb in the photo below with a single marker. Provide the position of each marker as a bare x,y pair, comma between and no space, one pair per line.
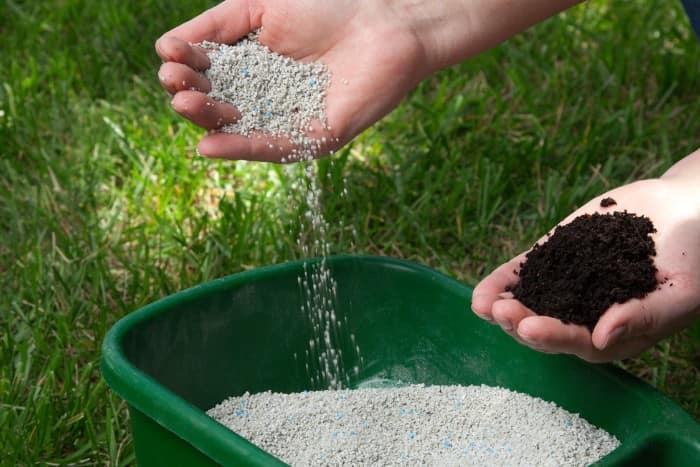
659,314
224,23
633,318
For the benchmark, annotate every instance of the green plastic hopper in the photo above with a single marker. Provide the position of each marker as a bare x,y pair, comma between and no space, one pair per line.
176,358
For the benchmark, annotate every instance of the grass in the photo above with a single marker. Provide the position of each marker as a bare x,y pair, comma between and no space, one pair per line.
105,208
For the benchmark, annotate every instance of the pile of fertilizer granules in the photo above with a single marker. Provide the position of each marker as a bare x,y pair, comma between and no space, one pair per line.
433,425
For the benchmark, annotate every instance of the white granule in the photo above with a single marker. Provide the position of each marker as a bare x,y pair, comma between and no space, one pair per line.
274,94
415,425
281,97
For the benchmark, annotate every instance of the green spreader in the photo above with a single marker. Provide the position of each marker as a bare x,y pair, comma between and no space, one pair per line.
176,358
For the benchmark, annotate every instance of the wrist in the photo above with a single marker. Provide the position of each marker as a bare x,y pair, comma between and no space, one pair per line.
436,27
451,31
683,178
686,168
684,175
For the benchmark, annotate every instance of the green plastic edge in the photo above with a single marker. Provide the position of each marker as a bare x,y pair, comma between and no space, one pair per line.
219,443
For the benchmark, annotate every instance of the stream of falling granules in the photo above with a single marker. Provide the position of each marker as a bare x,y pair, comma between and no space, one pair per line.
415,425
281,97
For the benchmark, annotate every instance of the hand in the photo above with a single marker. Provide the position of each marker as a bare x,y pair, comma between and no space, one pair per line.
374,57
376,50
624,330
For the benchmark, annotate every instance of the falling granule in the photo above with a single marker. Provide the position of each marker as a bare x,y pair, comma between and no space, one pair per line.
282,97
415,425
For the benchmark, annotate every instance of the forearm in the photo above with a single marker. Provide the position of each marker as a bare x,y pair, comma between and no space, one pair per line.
452,31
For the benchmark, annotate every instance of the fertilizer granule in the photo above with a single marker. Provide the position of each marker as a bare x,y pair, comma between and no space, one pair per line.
275,95
414,425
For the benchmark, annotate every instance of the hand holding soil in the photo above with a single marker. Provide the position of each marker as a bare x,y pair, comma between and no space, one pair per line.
373,58
672,203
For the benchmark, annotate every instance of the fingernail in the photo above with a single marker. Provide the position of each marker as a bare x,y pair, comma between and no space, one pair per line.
506,325
159,49
528,339
614,336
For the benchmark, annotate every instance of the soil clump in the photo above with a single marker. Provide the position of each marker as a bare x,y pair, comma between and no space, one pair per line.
587,265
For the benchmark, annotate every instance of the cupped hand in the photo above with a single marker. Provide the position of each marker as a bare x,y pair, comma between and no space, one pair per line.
373,55
626,329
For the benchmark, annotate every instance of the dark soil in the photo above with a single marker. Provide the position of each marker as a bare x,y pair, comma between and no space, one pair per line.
587,265
607,202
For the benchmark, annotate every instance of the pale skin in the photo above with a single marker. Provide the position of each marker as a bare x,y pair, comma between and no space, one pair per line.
378,50
672,202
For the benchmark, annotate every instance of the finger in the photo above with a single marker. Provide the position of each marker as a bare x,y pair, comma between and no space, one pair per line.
489,290
550,334
225,23
659,314
176,77
174,49
256,147
203,110
624,348
508,314
266,148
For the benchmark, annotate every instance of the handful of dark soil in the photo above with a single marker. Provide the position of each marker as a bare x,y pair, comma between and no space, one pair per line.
587,265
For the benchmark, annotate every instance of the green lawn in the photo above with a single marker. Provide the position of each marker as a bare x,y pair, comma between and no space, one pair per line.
104,206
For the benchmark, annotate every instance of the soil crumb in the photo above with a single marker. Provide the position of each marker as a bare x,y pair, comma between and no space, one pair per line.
587,265
607,202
